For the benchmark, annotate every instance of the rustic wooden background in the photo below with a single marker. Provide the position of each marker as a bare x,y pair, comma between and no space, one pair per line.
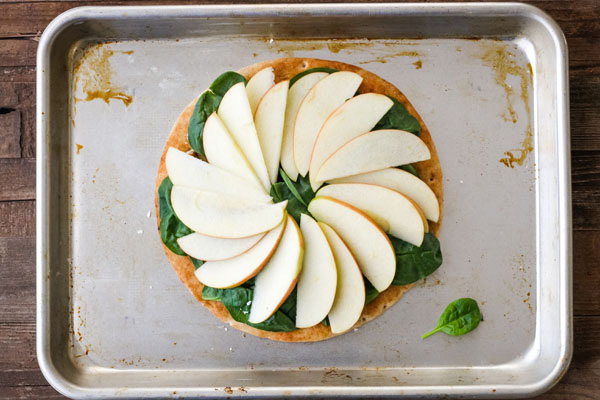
22,22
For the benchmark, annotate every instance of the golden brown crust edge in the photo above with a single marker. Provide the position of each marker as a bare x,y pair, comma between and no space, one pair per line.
285,68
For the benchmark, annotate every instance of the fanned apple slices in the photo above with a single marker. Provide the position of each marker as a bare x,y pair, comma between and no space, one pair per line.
315,126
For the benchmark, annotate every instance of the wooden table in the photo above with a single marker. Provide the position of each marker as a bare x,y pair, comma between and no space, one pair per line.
21,24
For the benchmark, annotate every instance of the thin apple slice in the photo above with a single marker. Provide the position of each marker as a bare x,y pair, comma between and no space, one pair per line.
186,170
327,95
367,242
269,119
222,151
222,216
236,114
296,94
353,118
350,293
237,270
210,248
258,85
318,279
392,211
276,280
372,151
403,182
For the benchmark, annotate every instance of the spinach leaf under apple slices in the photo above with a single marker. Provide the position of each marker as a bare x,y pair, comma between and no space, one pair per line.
414,263
171,227
298,194
208,103
238,301
296,77
398,117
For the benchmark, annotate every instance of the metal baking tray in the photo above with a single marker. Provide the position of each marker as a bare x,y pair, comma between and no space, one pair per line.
489,80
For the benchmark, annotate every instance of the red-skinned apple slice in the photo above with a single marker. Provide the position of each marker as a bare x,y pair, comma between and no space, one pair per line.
210,248
350,293
367,242
237,270
258,85
236,114
296,94
223,216
269,120
356,116
403,182
373,151
318,279
392,211
327,95
277,279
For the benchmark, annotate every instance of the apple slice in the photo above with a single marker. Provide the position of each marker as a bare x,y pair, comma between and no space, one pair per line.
276,280
210,248
258,85
353,118
403,182
222,151
327,95
269,118
186,170
372,151
392,211
318,279
236,114
222,216
367,242
237,270
296,94
350,294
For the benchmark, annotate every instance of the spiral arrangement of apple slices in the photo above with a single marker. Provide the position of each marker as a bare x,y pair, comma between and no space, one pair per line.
316,127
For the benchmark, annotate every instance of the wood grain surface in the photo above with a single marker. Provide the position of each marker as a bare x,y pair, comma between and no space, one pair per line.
21,24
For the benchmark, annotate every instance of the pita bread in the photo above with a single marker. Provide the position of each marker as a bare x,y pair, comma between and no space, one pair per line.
430,172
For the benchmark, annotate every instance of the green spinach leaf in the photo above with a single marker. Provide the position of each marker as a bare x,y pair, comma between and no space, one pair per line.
414,263
197,263
209,293
207,104
460,317
298,194
310,71
171,227
370,292
410,168
398,117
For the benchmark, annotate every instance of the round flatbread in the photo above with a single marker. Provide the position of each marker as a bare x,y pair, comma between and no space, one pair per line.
430,172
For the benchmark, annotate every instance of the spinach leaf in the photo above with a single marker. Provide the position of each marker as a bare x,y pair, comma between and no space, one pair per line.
238,301
310,71
326,321
370,292
197,263
414,263
398,117
171,227
410,168
207,104
460,317
298,194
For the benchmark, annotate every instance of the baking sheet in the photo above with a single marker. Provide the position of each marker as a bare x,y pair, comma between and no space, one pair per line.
134,330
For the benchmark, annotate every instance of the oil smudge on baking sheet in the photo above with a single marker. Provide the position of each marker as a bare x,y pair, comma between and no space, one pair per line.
384,59
93,76
503,62
290,47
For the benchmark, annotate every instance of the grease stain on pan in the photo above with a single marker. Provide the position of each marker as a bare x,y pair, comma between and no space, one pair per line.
290,47
93,76
497,56
384,59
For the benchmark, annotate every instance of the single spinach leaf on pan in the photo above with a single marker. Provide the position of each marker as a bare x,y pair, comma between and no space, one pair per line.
410,168
370,292
414,263
398,117
460,317
310,71
171,227
238,301
207,104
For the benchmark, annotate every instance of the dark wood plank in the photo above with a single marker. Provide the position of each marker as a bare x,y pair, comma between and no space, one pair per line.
586,189
10,133
17,219
17,52
17,280
17,179
30,392
577,384
17,109
586,274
